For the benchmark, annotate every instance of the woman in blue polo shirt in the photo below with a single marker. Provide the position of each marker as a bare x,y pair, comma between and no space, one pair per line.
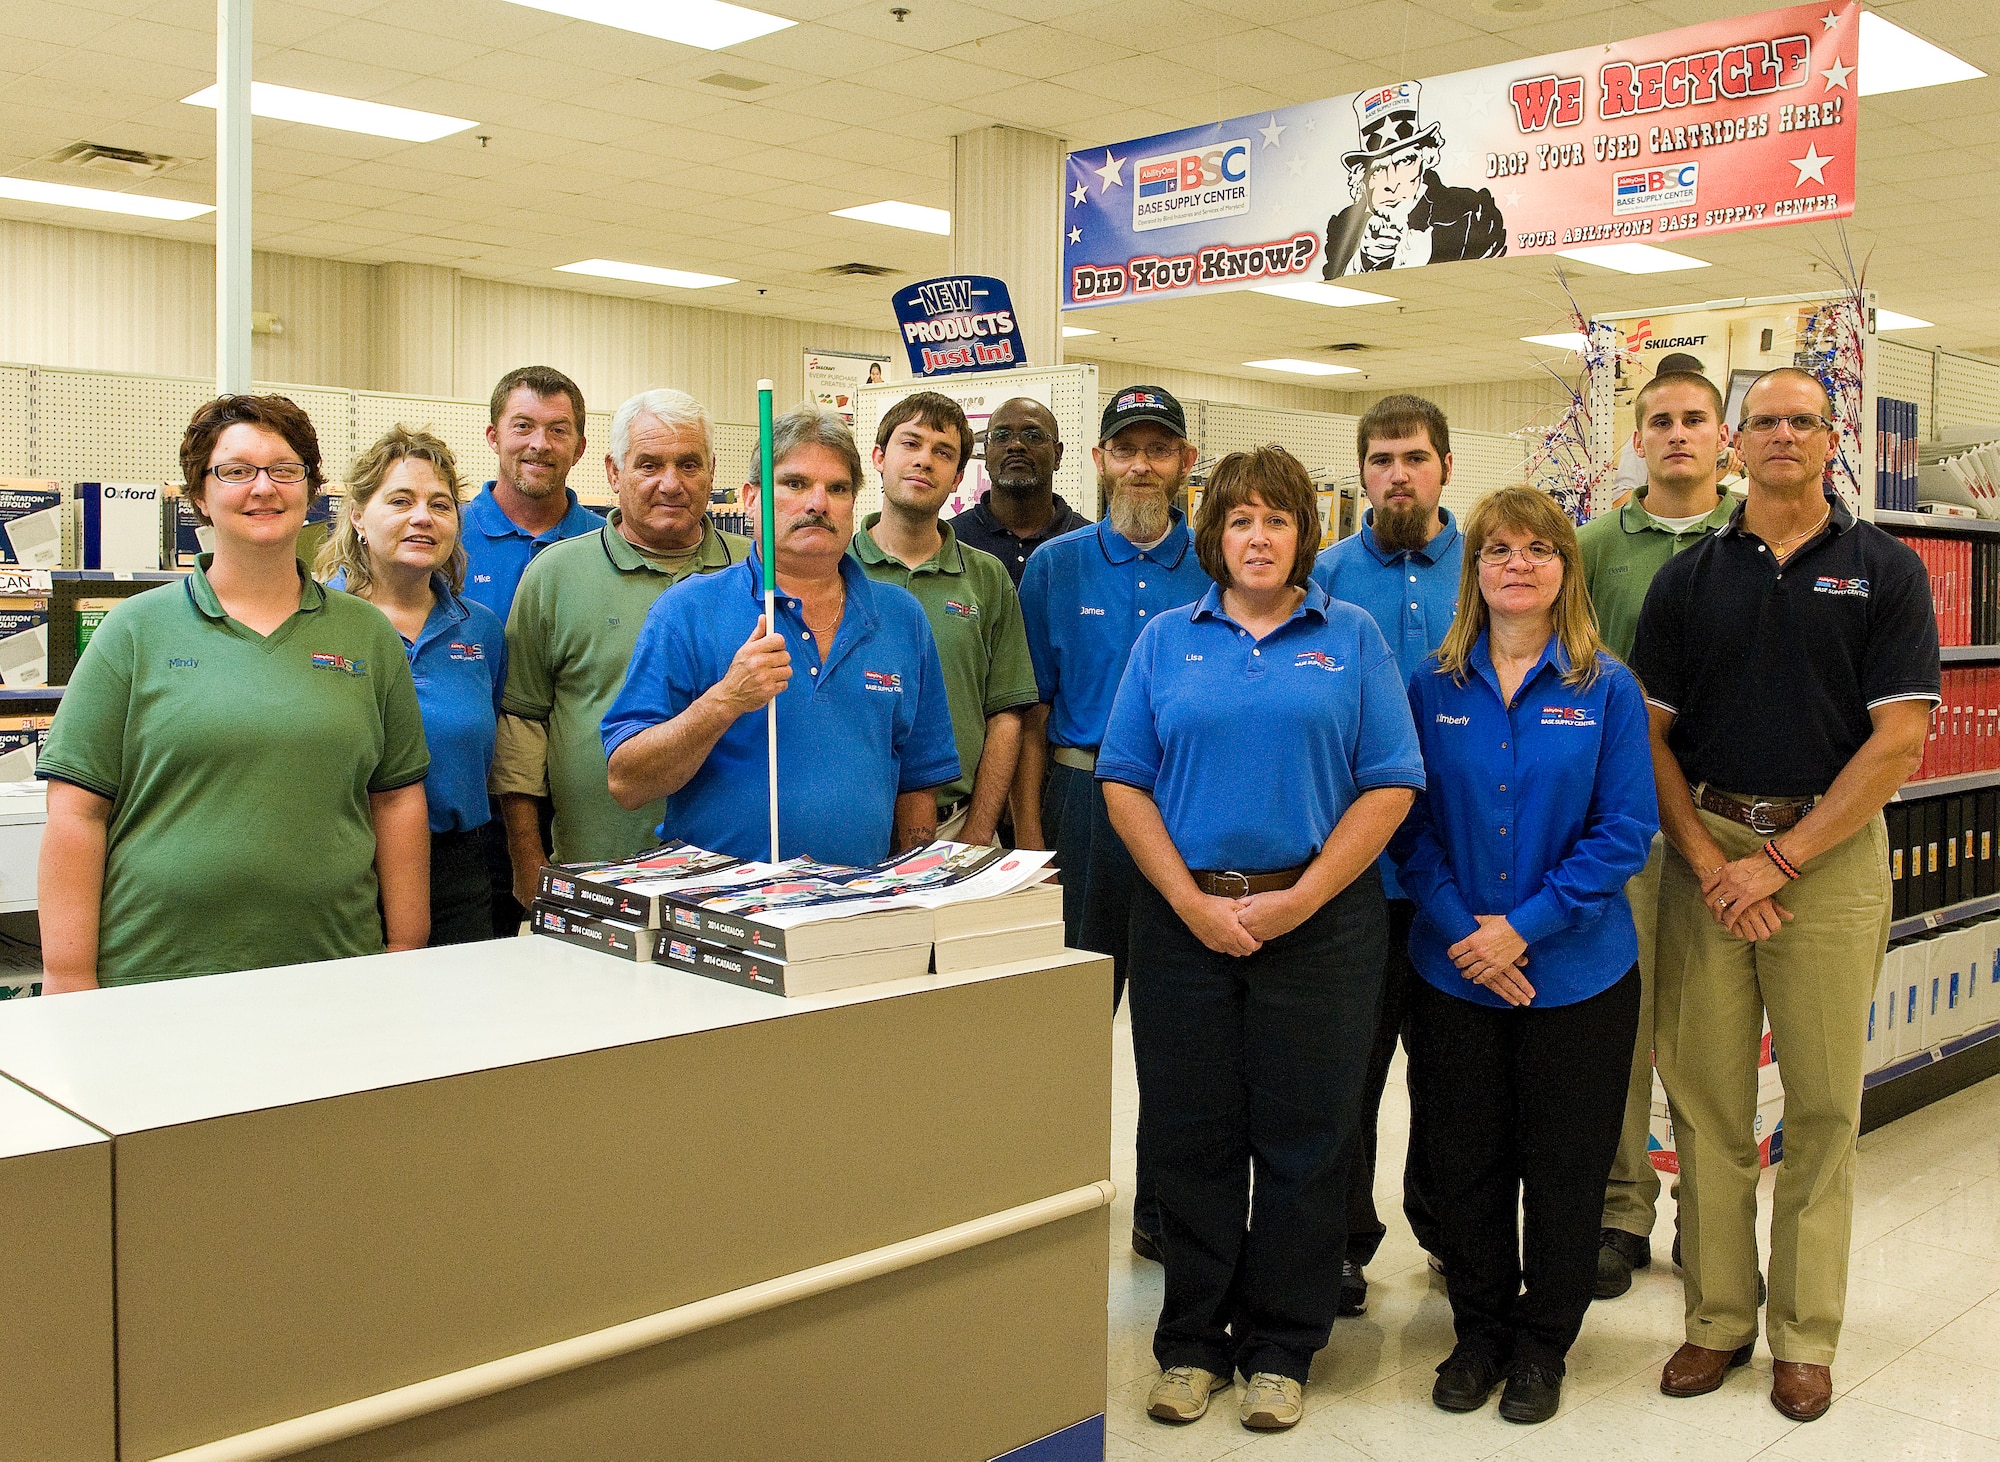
1258,756
1540,807
396,543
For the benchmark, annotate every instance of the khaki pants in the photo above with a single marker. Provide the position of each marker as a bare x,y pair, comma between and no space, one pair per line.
1632,1192
951,827
1815,979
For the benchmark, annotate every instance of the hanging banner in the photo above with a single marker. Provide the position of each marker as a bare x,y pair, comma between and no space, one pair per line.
1725,125
961,323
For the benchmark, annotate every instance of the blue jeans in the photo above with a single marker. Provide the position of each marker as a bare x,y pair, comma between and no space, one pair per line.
1254,1063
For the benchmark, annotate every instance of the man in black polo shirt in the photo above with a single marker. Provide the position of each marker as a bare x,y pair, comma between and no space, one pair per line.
1021,511
1790,662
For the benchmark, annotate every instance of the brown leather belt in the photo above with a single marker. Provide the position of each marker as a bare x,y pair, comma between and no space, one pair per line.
1766,815
1229,884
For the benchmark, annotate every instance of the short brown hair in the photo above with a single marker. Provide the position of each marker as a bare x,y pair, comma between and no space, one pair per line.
1525,510
1402,416
1743,411
277,414
544,381
1270,473
343,551
931,409
1675,378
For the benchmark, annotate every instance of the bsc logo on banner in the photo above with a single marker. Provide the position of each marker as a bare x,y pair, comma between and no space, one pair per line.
961,323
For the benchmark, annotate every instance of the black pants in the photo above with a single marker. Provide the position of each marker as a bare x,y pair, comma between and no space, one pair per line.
461,888
1253,1064
1365,1229
1521,1107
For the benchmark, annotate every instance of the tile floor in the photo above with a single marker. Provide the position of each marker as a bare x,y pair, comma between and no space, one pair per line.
1917,1380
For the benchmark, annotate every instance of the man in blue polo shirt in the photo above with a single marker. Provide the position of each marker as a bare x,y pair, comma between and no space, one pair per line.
864,735
1403,568
1084,599
536,432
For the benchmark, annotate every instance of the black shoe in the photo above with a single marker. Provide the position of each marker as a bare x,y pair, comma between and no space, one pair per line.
1353,1289
1465,1380
1763,1290
1145,1245
1534,1390
1618,1254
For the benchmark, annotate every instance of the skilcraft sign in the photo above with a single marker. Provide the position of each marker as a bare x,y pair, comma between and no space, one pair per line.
1725,125
961,323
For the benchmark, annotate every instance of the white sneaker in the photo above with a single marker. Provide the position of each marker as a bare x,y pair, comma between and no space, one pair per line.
1181,1394
1271,1403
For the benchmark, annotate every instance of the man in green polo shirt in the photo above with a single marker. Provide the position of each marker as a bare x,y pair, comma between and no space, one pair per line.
574,623
921,448
1681,437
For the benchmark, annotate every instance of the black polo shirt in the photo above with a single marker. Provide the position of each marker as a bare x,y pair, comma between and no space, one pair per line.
978,527
1771,672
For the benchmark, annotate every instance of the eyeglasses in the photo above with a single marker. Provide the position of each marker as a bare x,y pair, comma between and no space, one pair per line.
1160,454
1499,555
1027,436
238,473
1803,424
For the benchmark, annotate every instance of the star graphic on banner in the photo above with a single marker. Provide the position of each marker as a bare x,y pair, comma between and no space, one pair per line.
1838,75
1512,200
1312,122
1829,20
1297,166
1076,235
1271,131
1812,165
1110,172
1481,104
1080,194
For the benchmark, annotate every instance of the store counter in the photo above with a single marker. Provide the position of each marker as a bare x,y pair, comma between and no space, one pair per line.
517,1200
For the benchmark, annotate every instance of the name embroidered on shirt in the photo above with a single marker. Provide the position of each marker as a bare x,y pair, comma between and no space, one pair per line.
1089,609
881,680
462,651
1318,659
340,663
1567,716
482,578
1194,657
1444,720
962,610
1845,588
181,662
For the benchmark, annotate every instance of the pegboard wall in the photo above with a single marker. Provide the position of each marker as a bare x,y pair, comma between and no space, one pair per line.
461,425
1323,443
17,448
1908,374
1968,391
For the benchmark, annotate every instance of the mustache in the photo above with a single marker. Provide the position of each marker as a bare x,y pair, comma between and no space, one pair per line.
810,520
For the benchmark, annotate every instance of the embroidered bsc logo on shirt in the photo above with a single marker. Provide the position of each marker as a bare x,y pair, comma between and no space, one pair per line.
1567,716
964,611
881,680
462,651
1846,588
1318,658
339,662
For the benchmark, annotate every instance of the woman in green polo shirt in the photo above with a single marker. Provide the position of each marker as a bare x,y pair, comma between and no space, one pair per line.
236,772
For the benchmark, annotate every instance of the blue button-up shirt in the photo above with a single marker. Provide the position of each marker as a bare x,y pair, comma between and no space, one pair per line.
498,550
1317,706
1540,811
1084,600
870,722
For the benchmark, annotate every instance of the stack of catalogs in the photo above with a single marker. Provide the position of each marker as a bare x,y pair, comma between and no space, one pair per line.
1025,924
793,955
615,907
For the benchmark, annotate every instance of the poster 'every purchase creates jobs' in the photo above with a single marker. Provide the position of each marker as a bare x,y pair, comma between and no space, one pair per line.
1729,124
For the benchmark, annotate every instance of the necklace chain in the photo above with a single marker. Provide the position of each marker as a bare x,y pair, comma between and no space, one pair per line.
1779,547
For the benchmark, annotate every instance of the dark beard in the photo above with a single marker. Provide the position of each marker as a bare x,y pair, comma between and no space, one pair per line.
1398,530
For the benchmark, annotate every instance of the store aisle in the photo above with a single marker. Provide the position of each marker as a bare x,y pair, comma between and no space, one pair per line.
1918,1375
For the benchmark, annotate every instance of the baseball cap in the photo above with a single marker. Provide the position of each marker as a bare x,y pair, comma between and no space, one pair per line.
1142,403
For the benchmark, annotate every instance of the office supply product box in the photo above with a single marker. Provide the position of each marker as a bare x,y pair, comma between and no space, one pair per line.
21,740
24,641
1768,1128
33,517
119,525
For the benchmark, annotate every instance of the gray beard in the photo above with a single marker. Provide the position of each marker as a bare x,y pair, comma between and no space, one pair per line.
1018,486
1141,520
1400,530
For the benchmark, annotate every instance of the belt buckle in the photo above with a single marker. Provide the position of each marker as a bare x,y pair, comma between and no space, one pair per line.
1242,878
1756,819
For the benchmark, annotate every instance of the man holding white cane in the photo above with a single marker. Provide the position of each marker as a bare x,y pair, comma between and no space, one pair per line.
851,665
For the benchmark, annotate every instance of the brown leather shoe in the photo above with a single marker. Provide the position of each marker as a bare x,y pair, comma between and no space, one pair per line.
1802,1391
1695,1370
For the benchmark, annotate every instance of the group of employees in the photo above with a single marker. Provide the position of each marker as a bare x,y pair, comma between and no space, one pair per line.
1545,806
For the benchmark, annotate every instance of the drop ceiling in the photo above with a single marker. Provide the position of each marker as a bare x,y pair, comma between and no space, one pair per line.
596,143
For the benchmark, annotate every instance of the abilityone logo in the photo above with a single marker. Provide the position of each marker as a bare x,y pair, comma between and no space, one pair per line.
1318,658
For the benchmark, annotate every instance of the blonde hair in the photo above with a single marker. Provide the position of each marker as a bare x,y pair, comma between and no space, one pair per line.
344,551
1524,510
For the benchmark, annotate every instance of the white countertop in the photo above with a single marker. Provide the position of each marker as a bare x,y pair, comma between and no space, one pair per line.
148,1056
29,1125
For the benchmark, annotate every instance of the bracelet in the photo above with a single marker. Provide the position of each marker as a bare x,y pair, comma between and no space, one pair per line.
1785,865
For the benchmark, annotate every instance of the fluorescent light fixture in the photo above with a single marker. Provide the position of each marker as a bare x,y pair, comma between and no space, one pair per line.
341,113
1574,340
1633,258
1890,320
1303,367
1894,60
901,215
1336,295
644,274
1070,332
100,200
707,24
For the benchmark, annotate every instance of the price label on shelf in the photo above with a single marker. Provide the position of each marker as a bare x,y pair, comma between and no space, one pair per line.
24,581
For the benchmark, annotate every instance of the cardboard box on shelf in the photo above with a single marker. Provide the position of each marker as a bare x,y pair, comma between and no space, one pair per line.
119,525
33,515
89,615
1879,1048
21,739
24,641
1912,995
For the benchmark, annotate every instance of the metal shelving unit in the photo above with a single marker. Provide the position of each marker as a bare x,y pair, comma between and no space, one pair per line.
1946,786
1909,1085
1959,654
1935,523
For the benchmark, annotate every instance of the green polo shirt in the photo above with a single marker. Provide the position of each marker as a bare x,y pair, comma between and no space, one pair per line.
569,638
975,617
239,768
1622,551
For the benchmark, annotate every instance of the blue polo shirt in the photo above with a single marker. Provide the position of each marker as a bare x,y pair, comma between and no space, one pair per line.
1085,598
1412,594
1540,811
459,663
853,733
1314,713
498,550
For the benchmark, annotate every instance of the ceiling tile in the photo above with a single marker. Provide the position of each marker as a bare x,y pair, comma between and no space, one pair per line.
1039,51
